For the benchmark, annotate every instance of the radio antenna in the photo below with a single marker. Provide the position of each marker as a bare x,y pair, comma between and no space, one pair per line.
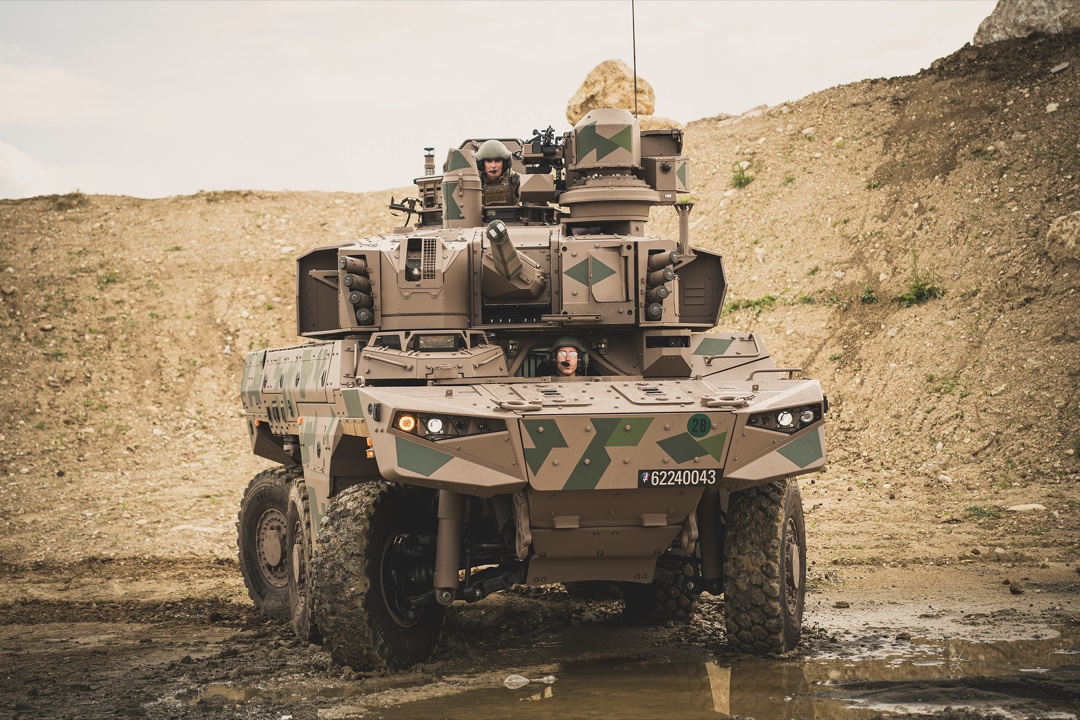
633,32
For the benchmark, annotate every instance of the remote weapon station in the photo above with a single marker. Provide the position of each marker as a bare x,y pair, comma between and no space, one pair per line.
430,450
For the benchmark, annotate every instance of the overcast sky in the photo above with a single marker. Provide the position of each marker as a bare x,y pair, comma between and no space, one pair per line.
155,99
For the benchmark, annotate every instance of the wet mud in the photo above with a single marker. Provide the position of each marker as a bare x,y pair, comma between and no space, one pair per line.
961,647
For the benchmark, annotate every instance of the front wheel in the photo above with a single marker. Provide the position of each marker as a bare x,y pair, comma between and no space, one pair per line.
765,568
261,537
373,558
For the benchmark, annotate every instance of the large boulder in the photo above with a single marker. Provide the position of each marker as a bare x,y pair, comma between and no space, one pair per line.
611,84
1020,18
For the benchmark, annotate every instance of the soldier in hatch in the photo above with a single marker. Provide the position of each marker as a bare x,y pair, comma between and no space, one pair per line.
501,183
569,357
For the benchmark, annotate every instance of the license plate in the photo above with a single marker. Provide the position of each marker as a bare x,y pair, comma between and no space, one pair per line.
677,478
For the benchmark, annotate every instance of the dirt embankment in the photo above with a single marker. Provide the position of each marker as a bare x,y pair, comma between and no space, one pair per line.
124,321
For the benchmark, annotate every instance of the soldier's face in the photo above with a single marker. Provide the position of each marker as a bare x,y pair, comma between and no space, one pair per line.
566,361
493,168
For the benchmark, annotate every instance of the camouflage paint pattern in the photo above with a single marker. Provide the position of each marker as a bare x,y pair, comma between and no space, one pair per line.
606,138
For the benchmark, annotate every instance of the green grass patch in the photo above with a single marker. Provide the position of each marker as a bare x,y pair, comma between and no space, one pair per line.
758,305
739,176
110,276
982,511
921,287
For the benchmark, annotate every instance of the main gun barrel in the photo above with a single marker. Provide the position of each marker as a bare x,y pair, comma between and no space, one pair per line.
503,252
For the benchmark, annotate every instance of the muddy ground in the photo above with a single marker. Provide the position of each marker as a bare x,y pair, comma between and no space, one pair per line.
953,440
172,640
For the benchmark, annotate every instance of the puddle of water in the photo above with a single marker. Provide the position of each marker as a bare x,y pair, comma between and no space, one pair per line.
916,677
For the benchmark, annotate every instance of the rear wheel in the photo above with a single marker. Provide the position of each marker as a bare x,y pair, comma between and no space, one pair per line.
299,541
261,537
368,565
658,603
765,568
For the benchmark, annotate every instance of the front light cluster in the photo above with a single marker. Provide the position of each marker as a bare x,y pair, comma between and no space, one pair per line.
441,427
787,420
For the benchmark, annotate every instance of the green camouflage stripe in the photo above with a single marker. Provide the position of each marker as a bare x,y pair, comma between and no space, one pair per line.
579,272
590,271
680,174
354,406
681,448
545,437
458,161
804,450
631,432
714,446
684,448
308,430
588,139
450,207
420,459
595,460
599,271
252,382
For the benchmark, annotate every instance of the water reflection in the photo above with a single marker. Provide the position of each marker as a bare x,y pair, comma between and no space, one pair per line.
809,687
855,679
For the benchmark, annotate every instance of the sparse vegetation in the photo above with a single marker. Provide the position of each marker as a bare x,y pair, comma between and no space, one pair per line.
758,305
982,511
110,276
740,178
867,296
921,287
68,202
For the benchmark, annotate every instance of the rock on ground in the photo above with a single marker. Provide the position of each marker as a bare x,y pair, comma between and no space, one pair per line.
1020,18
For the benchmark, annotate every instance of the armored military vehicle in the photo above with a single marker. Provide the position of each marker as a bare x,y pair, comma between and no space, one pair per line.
429,452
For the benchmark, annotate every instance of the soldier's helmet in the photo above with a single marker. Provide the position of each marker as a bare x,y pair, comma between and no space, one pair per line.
492,150
570,341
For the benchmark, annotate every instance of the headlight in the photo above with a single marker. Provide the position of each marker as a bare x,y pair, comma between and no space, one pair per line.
442,427
787,420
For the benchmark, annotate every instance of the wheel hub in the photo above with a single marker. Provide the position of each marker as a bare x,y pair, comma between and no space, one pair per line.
270,546
405,573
